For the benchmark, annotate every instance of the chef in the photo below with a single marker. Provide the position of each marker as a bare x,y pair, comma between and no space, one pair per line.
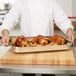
36,18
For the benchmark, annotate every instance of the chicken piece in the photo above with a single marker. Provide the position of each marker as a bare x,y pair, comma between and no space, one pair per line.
42,41
22,42
58,39
38,41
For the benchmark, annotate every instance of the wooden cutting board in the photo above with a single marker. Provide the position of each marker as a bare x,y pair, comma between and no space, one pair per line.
45,58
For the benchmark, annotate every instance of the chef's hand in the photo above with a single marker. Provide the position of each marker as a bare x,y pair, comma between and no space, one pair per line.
70,35
5,37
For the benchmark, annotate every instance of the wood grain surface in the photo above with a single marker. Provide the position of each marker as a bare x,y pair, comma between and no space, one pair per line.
41,58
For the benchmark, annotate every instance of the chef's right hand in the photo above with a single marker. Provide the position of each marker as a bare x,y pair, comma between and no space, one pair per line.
5,37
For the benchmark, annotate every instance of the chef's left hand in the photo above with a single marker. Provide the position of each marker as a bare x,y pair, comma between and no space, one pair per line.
70,35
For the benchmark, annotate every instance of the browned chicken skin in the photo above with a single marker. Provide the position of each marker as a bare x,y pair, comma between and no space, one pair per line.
39,40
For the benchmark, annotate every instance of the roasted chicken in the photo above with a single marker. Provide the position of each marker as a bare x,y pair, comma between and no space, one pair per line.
39,40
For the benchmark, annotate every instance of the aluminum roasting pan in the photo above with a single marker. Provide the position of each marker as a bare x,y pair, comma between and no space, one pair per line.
65,47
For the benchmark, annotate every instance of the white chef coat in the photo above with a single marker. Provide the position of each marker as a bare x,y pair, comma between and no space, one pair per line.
36,17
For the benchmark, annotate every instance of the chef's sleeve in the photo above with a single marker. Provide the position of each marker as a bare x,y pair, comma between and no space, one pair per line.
60,18
12,17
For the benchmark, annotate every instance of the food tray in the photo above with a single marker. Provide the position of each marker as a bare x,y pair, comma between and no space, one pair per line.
41,48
